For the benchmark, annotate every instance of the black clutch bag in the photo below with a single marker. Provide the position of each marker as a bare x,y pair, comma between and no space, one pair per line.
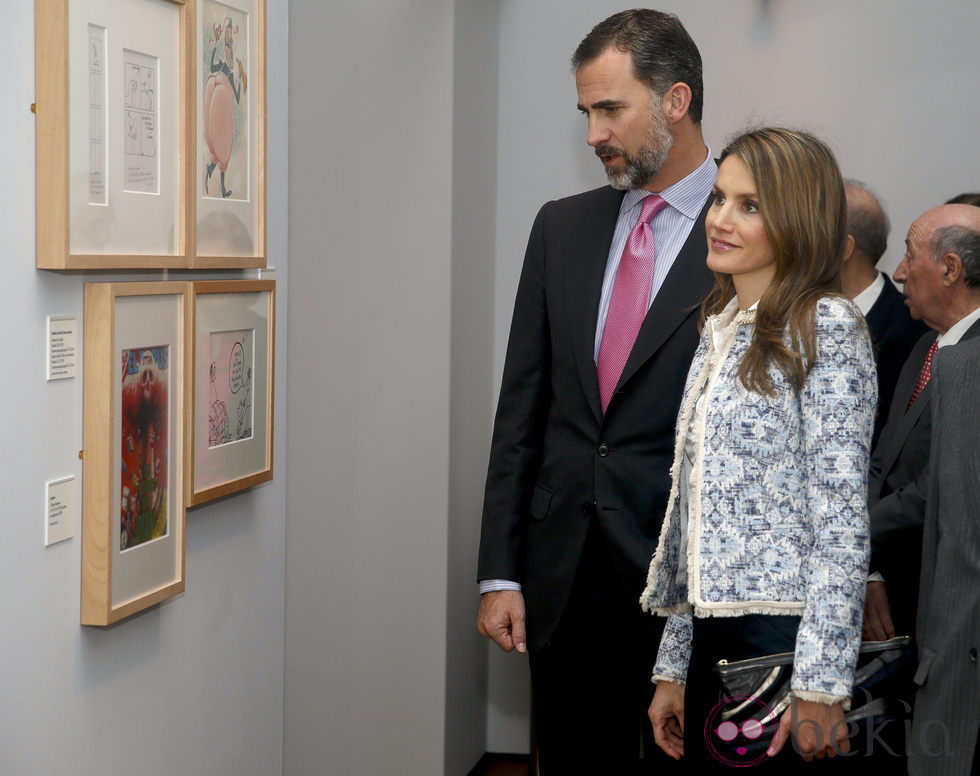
753,694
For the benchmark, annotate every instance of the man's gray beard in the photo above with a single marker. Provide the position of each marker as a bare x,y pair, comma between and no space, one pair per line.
643,167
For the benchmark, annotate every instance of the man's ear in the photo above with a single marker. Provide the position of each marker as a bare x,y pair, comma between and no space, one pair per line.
952,269
848,247
676,102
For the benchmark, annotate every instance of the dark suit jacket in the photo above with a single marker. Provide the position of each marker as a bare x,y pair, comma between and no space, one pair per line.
948,626
893,331
897,487
556,463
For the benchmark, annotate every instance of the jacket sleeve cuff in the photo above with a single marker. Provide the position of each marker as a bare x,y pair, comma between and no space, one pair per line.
661,678
675,648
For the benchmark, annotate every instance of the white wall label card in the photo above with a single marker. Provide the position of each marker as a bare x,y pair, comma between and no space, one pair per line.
62,347
59,510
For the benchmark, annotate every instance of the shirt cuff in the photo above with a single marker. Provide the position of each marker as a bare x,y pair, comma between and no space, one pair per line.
493,585
875,576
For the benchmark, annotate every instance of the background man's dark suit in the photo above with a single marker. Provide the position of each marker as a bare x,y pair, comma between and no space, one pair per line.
893,332
947,706
898,485
551,478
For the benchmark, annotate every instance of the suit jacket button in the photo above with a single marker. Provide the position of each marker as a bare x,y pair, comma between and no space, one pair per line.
602,450
973,655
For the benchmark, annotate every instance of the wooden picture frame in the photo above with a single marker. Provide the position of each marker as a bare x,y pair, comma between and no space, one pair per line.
228,60
231,341
135,366
113,134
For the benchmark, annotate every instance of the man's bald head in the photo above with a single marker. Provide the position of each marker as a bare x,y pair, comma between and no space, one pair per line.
966,216
941,267
954,230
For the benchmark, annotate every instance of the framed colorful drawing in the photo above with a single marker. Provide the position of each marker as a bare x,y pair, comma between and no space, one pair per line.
229,62
232,342
133,457
113,134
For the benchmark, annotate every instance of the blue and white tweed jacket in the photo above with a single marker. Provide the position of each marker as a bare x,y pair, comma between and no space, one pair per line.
778,520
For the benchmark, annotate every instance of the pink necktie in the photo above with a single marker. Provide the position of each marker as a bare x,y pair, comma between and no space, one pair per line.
924,374
630,299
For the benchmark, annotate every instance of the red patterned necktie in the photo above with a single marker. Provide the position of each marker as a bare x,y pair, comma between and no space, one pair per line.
630,299
924,374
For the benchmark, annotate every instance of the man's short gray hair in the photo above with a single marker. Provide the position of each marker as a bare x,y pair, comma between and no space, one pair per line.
965,243
867,225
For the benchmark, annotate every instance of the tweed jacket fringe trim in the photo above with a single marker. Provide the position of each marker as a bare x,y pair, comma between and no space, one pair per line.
803,695
828,508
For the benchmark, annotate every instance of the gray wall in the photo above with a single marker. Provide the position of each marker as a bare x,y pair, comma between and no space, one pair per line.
471,395
890,84
371,138
195,685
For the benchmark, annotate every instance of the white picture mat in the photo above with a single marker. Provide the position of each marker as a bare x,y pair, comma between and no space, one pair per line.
228,227
141,321
225,312
130,223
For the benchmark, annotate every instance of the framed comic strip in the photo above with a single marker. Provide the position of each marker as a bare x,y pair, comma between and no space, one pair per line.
229,157
133,457
231,391
113,118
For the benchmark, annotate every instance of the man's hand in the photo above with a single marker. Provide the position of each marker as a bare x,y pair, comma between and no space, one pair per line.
818,728
501,618
666,712
877,614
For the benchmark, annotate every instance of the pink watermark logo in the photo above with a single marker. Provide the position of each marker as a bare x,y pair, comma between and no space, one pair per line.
739,744
738,730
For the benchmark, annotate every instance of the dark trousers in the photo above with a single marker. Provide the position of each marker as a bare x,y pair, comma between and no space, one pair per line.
729,638
591,684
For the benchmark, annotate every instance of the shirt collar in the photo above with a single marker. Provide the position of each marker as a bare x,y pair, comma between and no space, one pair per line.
731,314
687,195
866,299
958,329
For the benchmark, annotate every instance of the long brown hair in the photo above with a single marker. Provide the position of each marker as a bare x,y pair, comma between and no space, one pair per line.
801,198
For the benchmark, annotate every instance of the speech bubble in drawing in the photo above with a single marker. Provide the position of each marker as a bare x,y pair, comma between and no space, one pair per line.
236,367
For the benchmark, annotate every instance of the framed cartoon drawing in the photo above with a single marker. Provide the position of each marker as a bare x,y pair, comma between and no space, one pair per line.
113,134
133,458
232,341
229,62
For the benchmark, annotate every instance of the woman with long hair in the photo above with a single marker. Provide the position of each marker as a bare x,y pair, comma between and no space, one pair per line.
764,545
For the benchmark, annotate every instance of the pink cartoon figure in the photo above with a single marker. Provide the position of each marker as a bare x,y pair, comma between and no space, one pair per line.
222,91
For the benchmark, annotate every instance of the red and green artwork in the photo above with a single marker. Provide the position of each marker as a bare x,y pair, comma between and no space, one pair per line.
145,414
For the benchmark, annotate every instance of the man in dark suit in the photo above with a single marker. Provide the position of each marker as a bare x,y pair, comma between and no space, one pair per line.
603,332
946,719
966,198
893,330
941,273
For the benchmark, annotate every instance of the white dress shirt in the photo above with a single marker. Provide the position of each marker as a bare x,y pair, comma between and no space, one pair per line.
866,299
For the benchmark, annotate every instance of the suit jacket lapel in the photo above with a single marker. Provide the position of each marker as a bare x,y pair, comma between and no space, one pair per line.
592,238
681,292
900,422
